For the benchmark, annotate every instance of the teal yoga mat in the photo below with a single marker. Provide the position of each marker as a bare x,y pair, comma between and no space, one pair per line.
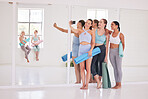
105,76
27,40
120,49
85,56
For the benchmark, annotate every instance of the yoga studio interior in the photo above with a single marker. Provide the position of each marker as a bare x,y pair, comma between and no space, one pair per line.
48,76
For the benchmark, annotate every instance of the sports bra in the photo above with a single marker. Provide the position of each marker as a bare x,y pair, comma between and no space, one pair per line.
35,38
85,37
115,40
99,39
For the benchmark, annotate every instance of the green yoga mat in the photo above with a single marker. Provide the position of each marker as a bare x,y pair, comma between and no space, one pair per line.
120,49
105,76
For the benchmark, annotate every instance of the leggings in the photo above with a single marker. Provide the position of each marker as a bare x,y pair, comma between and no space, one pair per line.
116,62
96,65
36,48
26,49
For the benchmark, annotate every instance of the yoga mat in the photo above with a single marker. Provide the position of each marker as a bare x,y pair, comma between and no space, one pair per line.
85,56
105,76
64,58
38,42
27,40
120,49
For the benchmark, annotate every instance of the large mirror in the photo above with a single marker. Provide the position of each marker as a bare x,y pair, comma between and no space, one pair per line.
6,44
45,64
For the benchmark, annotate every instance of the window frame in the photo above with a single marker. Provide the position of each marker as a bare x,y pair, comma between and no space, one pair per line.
29,22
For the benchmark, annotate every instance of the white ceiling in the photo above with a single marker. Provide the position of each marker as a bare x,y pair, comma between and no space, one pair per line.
129,4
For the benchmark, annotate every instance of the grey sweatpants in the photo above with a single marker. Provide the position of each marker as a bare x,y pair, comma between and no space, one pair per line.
116,62
26,49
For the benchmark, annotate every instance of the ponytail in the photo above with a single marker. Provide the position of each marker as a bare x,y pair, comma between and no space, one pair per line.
117,23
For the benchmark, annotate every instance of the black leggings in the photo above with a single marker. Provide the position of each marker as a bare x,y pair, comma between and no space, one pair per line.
96,65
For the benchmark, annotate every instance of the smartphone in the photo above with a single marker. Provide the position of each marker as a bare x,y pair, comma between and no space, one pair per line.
73,22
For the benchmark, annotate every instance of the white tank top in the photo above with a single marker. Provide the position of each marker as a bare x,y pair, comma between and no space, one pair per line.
115,40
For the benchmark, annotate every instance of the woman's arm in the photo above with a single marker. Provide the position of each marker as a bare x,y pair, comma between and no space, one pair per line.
39,38
108,31
107,46
92,43
21,40
122,40
61,29
72,29
32,40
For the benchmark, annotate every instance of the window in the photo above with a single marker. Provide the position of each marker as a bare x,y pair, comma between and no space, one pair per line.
28,21
97,14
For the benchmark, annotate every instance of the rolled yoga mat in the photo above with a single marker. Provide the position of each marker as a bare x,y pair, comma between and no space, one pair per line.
27,40
84,57
64,58
38,42
105,76
120,49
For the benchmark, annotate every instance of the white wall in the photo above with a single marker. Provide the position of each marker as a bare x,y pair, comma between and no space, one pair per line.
5,43
132,4
6,33
134,25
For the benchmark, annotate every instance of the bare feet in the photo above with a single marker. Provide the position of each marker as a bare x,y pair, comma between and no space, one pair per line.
82,87
77,82
27,60
99,85
116,87
37,59
86,87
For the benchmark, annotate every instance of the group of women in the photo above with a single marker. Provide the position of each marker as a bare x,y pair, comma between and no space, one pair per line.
92,34
26,48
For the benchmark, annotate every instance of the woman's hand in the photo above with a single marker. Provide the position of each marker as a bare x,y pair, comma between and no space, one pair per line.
70,23
89,53
55,25
106,60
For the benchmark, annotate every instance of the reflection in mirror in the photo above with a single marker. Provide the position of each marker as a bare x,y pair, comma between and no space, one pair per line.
44,64
5,43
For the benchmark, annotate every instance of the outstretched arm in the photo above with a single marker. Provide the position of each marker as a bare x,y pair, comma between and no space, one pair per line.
72,29
61,29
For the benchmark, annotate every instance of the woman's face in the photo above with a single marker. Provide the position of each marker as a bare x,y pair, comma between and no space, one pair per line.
94,24
113,26
79,25
23,33
88,24
101,24
35,32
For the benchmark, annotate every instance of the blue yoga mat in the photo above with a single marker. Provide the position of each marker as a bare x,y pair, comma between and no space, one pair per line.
64,58
85,56
120,49
27,40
